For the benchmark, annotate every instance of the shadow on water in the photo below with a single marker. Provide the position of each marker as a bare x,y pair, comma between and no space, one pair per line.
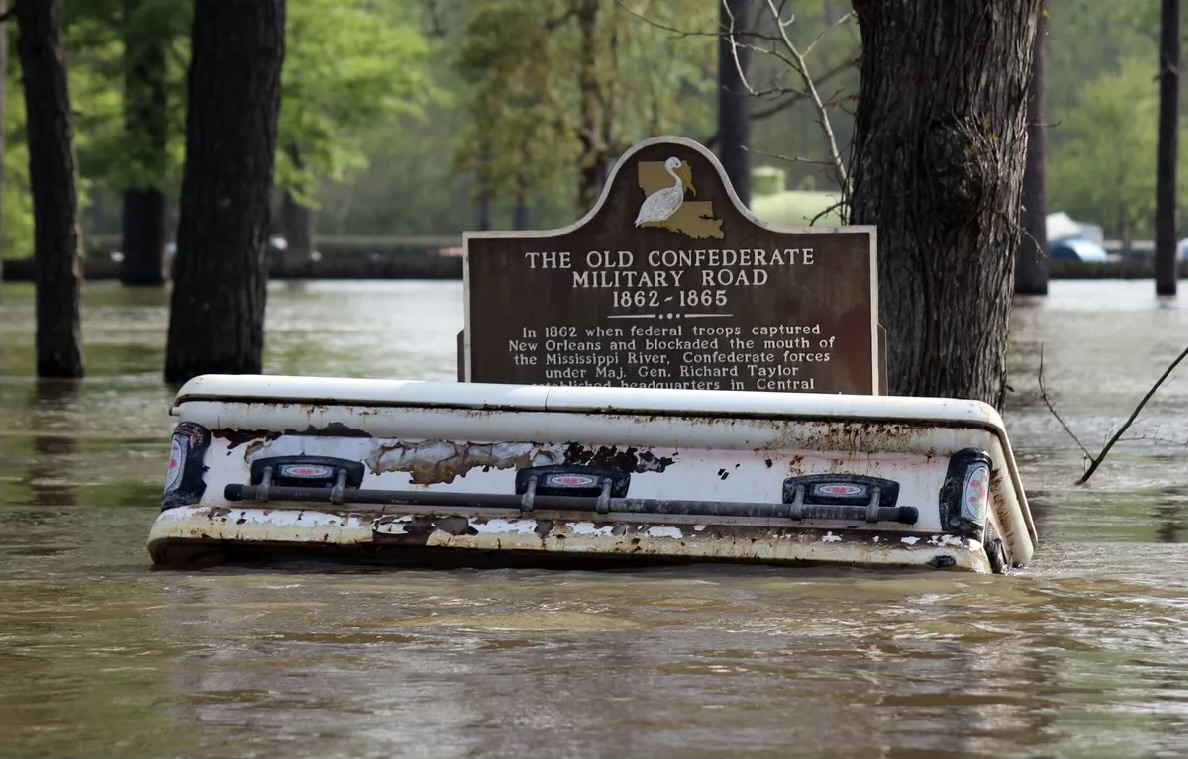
54,447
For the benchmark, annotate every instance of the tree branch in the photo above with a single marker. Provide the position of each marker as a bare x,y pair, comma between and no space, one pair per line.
1044,397
801,68
1095,461
1134,415
688,33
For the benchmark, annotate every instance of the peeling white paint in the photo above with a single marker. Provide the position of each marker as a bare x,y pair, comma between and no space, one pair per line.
355,532
947,540
394,527
664,532
911,540
588,528
444,460
463,439
521,526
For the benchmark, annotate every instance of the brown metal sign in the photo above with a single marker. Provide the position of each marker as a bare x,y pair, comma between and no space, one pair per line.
669,282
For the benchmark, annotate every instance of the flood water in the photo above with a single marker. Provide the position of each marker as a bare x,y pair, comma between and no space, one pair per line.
1080,655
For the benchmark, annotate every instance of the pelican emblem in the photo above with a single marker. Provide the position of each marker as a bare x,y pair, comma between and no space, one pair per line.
662,204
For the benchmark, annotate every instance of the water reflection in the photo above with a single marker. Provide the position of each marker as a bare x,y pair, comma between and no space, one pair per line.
54,407
1169,515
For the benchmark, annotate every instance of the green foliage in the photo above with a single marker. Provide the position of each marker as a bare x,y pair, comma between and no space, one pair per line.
402,112
349,71
16,227
528,101
1103,169
110,156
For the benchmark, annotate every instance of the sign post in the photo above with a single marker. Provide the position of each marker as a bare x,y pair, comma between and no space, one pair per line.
669,282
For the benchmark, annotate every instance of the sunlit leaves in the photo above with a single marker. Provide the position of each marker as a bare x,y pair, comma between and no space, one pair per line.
1103,168
350,69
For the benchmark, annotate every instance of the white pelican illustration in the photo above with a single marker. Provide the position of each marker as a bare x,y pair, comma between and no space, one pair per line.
664,203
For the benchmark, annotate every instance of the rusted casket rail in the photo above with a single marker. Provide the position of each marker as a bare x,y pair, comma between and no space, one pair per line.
418,471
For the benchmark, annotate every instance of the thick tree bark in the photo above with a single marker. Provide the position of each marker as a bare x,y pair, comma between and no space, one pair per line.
939,147
3,111
296,219
591,166
734,103
57,241
146,123
216,320
1031,263
1165,183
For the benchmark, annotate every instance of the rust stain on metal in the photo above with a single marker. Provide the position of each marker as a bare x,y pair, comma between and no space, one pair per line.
612,457
335,429
236,438
434,461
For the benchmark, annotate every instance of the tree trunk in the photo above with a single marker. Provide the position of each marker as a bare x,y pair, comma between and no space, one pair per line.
939,147
734,104
1169,116
590,167
216,320
1031,263
482,213
296,220
520,212
146,123
3,111
57,242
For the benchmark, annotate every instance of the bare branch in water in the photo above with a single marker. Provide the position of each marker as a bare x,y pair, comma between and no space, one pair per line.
1046,400
1095,461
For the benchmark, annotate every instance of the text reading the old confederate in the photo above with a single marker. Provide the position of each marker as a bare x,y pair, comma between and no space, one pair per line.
674,280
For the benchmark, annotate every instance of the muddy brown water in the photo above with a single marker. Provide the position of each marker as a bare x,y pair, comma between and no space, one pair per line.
1084,653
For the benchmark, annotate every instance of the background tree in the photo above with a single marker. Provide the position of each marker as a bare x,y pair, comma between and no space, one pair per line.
350,70
149,26
53,179
938,167
3,111
217,312
555,90
1107,151
734,102
1166,226
1031,262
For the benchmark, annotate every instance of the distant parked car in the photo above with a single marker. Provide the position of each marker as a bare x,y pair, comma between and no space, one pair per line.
1076,249
1182,249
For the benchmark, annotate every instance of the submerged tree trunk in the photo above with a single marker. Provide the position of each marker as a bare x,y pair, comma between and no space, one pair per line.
3,111
939,148
146,123
296,219
216,320
1031,263
1169,116
57,241
734,102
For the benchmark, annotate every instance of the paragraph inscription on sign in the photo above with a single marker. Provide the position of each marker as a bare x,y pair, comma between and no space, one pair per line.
703,298
706,358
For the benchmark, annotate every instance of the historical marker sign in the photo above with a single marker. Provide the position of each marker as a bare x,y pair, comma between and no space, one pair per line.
670,283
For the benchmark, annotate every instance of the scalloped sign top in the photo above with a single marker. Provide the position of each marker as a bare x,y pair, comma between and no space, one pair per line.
669,282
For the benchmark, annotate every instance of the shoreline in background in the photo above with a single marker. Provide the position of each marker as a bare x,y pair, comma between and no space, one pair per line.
433,265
